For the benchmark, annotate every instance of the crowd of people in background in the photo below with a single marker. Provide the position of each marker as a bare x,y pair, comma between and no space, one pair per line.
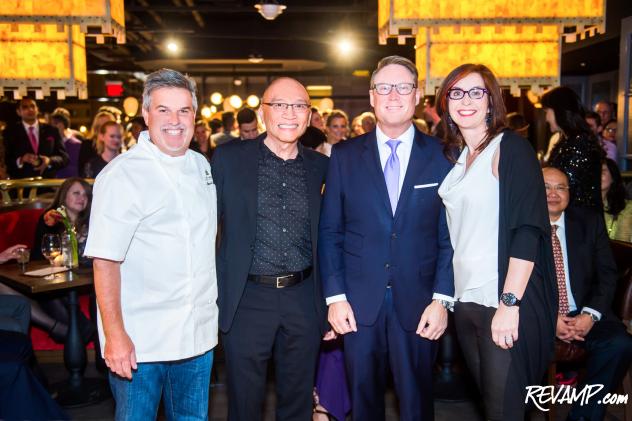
469,117
70,153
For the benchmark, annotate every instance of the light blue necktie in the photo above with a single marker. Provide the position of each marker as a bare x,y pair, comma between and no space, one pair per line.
391,173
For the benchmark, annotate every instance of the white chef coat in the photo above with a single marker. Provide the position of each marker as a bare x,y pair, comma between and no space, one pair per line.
157,215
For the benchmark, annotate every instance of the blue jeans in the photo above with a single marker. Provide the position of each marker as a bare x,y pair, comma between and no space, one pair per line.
184,385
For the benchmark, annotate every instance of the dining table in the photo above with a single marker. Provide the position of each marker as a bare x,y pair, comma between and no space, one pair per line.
77,390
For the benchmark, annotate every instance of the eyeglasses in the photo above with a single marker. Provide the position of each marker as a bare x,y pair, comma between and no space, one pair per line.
558,188
282,107
386,88
611,129
474,93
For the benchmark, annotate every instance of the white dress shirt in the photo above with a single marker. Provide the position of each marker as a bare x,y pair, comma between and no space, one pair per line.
403,153
157,215
561,235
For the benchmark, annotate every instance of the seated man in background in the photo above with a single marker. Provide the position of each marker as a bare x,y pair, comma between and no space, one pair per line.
587,278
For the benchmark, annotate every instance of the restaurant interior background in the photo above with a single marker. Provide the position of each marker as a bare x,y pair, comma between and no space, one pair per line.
101,50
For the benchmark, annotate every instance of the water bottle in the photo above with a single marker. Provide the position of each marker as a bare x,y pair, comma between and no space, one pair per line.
66,250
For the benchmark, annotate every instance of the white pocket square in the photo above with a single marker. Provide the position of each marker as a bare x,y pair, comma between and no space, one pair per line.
425,186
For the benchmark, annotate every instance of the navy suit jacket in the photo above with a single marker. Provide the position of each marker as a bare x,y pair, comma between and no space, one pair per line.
363,246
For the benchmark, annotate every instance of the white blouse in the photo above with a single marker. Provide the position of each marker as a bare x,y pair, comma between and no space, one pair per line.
157,215
471,198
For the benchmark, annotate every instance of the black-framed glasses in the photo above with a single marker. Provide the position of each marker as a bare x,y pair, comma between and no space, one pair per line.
386,88
610,129
560,188
282,107
474,93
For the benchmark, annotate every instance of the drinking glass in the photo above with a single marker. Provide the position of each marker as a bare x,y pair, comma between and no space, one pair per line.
23,257
51,247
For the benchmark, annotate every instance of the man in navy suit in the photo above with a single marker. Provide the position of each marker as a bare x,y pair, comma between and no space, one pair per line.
384,250
33,149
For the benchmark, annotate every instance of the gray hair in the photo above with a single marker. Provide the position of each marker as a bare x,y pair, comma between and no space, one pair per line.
167,78
399,60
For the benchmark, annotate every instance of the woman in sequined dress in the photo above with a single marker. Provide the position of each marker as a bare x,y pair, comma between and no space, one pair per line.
578,153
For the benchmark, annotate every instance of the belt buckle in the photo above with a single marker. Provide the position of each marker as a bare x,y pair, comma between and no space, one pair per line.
279,278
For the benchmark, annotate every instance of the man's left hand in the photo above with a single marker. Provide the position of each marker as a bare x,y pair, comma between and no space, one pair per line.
582,324
434,321
44,161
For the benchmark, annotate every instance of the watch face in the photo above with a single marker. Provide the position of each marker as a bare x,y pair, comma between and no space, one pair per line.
508,299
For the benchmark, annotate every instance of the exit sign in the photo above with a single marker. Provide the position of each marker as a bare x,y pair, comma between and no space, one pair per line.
114,88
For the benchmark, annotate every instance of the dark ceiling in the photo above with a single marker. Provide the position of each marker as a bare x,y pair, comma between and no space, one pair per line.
218,36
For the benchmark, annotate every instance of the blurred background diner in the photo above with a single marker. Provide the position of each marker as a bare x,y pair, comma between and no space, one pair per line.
71,93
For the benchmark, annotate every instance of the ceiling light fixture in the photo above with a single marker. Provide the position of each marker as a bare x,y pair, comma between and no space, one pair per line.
255,58
172,46
270,9
216,98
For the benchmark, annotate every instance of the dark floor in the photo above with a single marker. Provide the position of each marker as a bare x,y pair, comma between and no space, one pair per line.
444,411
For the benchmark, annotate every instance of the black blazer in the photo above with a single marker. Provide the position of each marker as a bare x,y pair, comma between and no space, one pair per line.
17,143
234,167
592,269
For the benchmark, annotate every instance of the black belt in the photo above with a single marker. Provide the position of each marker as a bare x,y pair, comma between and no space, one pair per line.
281,281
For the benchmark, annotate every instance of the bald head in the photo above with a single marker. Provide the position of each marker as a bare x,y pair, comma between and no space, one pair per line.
285,125
557,192
281,84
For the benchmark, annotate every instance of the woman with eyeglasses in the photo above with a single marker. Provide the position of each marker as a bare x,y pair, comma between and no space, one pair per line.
609,139
578,153
505,310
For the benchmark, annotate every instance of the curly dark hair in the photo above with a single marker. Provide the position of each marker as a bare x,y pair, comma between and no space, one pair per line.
453,139
615,197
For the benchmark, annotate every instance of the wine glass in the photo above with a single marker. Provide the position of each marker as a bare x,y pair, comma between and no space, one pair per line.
23,255
51,247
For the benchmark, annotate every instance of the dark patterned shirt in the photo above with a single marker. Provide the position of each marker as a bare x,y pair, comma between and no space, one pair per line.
283,238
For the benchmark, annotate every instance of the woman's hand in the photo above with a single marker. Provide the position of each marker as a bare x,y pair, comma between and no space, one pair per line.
505,326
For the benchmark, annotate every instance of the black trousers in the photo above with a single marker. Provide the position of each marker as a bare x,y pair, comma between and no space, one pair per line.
609,349
278,324
489,364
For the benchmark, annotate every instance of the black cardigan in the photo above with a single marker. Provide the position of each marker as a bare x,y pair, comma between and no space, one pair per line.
525,233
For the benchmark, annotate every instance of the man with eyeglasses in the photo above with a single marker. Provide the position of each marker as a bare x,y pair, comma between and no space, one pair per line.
586,279
270,299
385,252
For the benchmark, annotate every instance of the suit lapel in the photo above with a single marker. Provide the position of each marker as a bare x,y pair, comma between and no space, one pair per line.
416,165
314,189
249,164
573,237
371,157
